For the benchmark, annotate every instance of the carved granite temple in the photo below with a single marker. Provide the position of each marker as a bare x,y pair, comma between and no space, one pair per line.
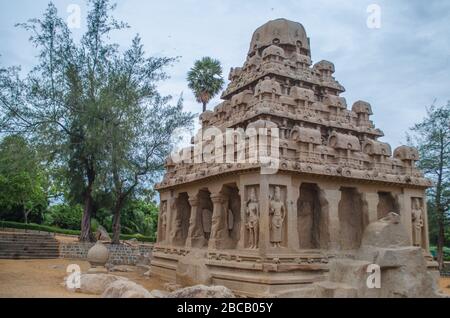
263,233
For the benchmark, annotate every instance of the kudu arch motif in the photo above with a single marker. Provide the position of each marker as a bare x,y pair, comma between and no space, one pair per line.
329,175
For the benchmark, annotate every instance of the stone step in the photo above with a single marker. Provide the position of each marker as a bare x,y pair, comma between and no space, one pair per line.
26,237
7,244
36,250
17,234
29,241
19,256
28,246
25,249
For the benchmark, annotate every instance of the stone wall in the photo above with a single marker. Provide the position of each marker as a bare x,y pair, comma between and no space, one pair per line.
119,254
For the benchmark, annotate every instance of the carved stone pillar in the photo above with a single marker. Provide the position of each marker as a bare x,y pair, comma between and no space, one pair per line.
333,197
218,229
162,223
426,235
195,236
405,209
264,218
371,199
293,193
171,216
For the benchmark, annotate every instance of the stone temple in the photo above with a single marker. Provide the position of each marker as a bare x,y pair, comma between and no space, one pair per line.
261,234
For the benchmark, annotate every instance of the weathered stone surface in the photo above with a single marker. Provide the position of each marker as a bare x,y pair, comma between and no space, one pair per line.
403,269
126,289
159,293
122,268
306,292
97,256
329,289
102,235
96,283
192,270
387,232
352,272
171,287
201,291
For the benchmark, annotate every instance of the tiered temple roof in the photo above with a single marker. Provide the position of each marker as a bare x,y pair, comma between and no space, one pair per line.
279,86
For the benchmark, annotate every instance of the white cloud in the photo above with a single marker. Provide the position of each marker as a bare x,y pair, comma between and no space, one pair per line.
400,69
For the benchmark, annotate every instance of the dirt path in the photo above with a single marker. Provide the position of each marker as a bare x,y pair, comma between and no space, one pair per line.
444,283
44,279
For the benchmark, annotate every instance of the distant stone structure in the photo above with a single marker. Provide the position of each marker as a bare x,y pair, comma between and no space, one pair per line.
266,233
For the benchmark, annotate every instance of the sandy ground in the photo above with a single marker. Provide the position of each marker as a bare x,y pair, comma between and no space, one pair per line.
44,278
444,283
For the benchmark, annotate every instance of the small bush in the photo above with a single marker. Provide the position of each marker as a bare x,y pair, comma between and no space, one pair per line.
64,216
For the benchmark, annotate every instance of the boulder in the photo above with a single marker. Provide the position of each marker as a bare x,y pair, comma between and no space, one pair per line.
95,284
387,232
126,289
201,291
159,293
402,268
192,270
102,235
329,289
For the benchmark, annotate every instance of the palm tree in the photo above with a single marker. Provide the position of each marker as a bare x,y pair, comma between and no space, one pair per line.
205,80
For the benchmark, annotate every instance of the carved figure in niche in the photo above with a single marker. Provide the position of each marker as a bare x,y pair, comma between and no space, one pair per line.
252,224
163,220
278,213
206,222
230,220
176,232
417,221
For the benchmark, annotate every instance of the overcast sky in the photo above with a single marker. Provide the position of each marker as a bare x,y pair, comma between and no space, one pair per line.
400,68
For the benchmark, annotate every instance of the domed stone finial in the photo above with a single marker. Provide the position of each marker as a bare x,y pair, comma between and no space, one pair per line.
281,32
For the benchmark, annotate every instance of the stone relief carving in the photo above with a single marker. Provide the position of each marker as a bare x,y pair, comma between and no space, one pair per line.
206,222
163,216
252,222
417,221
277,211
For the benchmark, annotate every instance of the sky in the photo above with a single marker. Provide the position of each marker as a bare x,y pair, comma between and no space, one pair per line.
401,66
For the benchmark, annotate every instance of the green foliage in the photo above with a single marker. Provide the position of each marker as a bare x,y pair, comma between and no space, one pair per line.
23,182
52,229
93,108
433,250
205,80
37,227
140,217
64,216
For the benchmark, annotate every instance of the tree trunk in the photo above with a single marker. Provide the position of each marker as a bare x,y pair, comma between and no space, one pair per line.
25,215
85,235
204,107
440,209
116,227
441,242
